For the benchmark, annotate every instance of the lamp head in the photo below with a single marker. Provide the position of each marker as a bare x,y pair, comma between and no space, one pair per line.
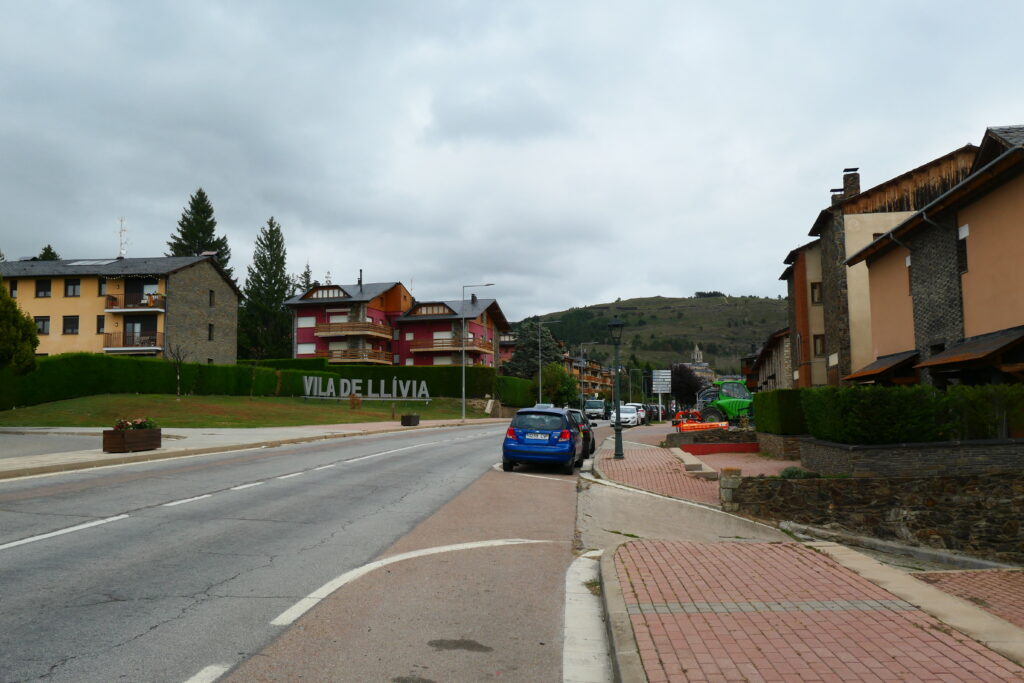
615,328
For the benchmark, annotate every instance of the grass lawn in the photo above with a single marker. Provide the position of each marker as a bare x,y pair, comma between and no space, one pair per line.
221,411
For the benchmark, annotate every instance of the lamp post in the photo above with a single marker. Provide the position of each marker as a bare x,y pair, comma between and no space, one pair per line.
615,328
540,358
462,343
583,368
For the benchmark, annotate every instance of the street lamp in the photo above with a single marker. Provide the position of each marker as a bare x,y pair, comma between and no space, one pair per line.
462,313
583,368
615,328
540,358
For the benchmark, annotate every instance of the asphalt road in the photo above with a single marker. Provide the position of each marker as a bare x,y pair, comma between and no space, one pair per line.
189,561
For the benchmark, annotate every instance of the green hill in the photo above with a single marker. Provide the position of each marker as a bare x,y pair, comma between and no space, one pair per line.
662,331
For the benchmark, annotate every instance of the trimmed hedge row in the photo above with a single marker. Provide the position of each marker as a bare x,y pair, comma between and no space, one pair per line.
73,375
515,391
913,414
780,412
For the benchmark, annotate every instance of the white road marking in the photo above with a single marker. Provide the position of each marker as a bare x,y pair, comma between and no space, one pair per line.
61,532
308,602
289,476
247,486
585,651
324,467
210,673
187,500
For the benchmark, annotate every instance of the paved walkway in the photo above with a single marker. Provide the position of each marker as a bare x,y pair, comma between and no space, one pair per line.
655,469
998,591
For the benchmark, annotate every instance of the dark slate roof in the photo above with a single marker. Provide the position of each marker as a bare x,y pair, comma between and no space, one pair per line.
1011,136
977,348
472,310
884,364
996,141
110,267
356,294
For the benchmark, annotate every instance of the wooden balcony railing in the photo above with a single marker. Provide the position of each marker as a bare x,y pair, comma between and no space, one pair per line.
135,301
356,356
481,345
133,340
354,328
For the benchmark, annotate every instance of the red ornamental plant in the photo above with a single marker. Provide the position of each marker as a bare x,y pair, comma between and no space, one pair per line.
137,423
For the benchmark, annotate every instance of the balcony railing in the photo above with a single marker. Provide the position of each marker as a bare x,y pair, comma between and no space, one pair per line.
137,301
133,340
356,356
481,345
354,328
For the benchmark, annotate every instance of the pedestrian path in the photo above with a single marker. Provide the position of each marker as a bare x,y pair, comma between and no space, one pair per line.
782,612
654,469
997,591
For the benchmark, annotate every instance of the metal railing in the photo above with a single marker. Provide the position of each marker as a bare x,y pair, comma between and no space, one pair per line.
132,340
138,300
355,356
354,328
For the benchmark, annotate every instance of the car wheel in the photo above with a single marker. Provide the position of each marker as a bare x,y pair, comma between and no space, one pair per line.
506,465
593,447
712,415
568,468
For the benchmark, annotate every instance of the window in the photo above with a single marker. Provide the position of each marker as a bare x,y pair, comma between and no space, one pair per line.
209,361
212,298
961,247
72,287
306,321
409,336
101,289
815,292
101,324
71,324
43,324
305,349
910,278
819,345
42,289
13,284
209,332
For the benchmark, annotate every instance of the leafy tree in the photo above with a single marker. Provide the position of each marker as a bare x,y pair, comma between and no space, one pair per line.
302,282
560,388
523,362
18,336
196,232
48,254
264,326
708,295
685,385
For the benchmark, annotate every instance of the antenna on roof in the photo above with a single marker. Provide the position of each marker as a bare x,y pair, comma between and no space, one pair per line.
122,234
327,278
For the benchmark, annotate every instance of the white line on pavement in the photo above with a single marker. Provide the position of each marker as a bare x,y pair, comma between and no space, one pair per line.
186,500
60,532
247,486
308,602
293,474
209,674
325,467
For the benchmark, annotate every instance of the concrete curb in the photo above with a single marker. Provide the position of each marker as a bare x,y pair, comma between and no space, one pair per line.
107,460
627,666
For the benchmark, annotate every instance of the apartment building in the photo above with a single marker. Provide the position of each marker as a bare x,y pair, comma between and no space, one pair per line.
129,306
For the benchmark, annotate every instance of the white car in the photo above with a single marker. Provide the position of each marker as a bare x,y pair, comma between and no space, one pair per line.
628,415
641,416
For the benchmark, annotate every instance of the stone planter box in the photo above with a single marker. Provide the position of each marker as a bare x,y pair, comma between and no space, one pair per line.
410,420
130,440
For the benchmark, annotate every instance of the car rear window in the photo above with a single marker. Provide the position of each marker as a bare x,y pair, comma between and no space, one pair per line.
594,404
538,421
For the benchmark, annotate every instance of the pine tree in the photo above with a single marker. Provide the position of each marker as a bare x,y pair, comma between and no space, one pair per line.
18,336
523,362
48,254
302,282
196,232
264,326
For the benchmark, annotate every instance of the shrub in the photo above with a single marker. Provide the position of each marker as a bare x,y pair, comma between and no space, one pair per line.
794,472
876,415
780,412
515,391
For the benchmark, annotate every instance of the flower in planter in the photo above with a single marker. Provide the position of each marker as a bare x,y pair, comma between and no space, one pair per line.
137,423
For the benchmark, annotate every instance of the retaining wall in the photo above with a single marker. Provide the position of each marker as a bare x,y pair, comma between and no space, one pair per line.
914,459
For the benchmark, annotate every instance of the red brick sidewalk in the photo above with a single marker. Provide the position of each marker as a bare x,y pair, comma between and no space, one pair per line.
998,591
655,469
782,612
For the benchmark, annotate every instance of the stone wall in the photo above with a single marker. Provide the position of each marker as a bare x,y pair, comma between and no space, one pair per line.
786,447
913,460
190,314
835,296
980,515
676,438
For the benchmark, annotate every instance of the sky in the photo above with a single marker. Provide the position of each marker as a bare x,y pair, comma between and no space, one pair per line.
570,152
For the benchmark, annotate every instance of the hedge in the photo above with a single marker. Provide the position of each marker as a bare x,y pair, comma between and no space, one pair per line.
780,412
913,414
515,391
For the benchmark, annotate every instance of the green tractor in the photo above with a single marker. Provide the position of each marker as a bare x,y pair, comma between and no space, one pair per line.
726,400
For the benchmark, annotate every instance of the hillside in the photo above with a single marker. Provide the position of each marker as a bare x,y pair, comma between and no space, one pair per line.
662,330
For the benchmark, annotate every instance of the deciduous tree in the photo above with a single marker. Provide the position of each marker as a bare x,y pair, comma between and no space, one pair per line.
685,385
18,337
523,362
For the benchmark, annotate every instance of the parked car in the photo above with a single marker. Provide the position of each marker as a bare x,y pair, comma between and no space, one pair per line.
628,415
542,436
586,428
641,412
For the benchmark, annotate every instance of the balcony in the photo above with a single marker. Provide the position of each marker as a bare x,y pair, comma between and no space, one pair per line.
133,341
365,328
135,303
480,345
356,356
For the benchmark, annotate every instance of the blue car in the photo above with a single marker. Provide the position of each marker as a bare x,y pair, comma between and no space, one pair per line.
543,436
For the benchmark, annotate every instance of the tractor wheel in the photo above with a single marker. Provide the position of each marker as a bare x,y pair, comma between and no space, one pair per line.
712,414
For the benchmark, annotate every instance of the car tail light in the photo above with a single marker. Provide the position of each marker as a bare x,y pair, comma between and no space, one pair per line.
511,433
564,436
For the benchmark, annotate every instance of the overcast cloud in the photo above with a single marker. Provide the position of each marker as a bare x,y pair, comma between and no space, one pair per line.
570,152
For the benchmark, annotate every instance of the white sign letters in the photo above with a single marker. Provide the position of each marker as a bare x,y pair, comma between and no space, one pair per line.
328,387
